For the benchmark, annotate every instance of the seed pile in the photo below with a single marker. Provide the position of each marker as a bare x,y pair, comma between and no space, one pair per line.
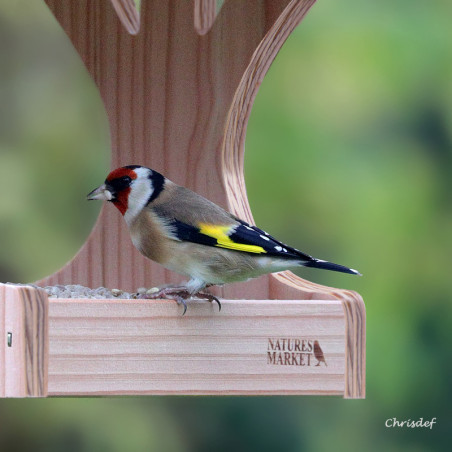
78,291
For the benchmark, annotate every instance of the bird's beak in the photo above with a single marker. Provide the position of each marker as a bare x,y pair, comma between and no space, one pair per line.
101,193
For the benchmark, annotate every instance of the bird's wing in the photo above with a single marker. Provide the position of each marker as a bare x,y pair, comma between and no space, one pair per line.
238,236
192,218
234,235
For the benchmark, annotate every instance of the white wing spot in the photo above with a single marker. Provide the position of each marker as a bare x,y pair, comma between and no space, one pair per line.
265,238
249,229
284,250
278,248
356,272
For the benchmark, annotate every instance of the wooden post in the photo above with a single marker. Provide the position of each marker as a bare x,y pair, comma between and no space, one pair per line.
178,81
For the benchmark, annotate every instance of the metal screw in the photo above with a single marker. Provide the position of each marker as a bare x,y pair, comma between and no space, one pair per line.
10,339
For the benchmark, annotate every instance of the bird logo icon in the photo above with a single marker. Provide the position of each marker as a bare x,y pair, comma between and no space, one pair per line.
318,353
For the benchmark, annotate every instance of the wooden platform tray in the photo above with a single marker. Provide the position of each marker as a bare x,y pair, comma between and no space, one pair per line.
86,347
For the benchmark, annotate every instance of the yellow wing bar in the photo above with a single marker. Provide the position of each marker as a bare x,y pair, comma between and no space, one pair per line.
220,233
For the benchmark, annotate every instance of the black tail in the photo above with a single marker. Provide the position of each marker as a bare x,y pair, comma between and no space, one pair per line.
317,263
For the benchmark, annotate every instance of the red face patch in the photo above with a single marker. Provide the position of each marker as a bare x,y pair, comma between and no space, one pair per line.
121,200
121,191
121,172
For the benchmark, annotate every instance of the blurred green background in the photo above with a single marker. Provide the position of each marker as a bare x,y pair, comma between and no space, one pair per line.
354,123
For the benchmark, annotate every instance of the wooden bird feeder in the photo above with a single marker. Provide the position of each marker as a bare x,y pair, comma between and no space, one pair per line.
178,81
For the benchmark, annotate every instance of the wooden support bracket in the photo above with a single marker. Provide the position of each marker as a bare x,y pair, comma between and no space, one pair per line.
119,347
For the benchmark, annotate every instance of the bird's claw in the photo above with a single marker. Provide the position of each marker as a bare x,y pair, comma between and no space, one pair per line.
181,300
180,295
208,296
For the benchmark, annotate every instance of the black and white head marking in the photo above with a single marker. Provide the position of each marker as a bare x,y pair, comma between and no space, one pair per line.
158,182
144,189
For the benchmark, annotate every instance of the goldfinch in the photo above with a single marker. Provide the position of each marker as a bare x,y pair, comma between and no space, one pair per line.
191,235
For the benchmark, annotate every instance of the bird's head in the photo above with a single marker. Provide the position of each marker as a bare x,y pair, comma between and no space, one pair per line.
130,188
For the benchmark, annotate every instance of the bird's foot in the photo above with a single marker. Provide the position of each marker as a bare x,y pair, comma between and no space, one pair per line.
180,294
208,296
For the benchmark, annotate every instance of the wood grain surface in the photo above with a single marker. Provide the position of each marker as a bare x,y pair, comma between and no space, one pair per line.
118,347
205,13
127,14
111,347
23,362
355,336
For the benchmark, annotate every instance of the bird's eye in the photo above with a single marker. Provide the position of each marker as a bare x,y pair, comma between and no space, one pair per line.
119,183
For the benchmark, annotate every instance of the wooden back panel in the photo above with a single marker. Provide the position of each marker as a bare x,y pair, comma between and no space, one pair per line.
178,86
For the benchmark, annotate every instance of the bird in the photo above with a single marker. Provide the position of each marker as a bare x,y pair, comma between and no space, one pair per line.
192,236
318,353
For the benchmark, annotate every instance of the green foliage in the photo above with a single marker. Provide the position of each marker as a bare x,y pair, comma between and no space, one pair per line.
53,144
